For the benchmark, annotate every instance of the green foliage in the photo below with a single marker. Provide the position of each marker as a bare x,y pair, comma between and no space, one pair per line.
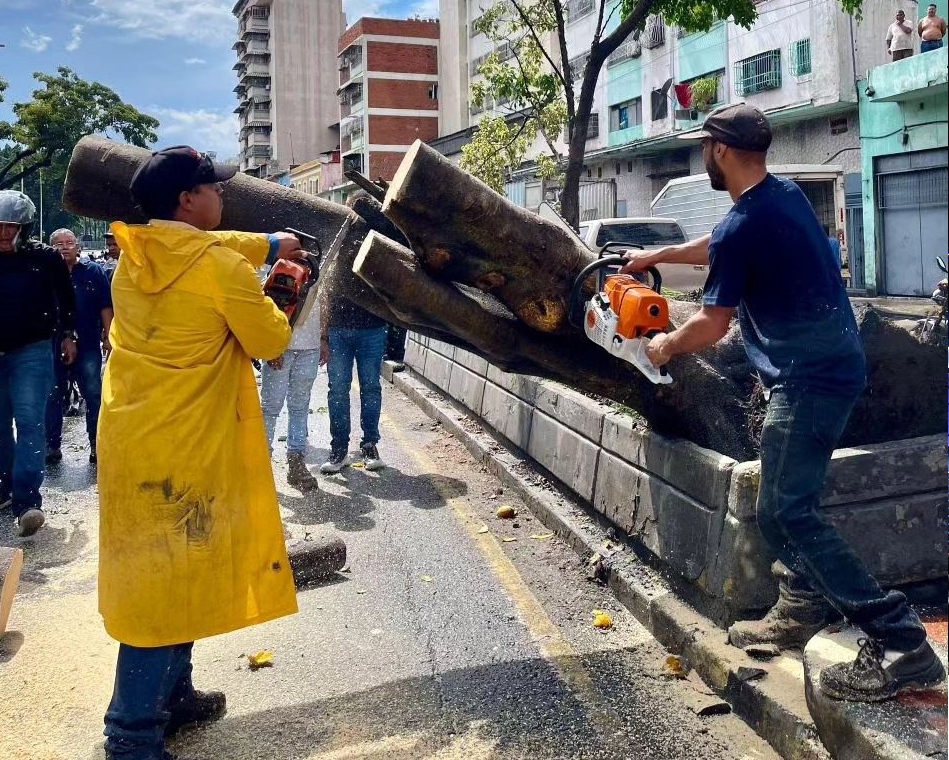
704,93
66,109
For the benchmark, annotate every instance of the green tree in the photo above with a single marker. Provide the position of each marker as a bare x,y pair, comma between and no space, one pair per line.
66,109
533,74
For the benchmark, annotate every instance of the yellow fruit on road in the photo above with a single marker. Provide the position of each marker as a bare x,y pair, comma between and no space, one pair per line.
506,512
602,620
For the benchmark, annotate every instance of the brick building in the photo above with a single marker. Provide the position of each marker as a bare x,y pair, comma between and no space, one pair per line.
388,93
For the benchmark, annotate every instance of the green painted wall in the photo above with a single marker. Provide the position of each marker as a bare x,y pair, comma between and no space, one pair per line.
701,53
923,113
624,136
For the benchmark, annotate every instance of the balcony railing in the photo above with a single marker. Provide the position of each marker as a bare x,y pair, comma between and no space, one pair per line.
593,126
629,49
654,33
575,9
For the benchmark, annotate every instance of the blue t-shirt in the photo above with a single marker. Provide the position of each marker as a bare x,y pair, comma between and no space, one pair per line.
93,294
771,258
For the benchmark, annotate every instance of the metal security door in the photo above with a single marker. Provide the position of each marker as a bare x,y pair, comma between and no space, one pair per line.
913,199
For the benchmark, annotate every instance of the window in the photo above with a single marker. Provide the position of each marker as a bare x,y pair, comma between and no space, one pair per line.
641,233
654,32
578,65
626,115
629,49
593,126
719,94
839,125
800,53
577,8
758,73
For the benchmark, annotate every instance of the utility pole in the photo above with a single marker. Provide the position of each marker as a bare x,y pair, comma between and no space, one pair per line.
41,205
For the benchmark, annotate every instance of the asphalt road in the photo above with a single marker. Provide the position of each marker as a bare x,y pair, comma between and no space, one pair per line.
453,635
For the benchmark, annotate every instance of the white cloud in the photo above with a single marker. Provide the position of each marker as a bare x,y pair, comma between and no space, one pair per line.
33,41
356,9
195,62
76,40
202,129
199,20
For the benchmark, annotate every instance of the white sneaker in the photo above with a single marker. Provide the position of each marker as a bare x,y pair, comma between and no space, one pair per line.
370,455
336,462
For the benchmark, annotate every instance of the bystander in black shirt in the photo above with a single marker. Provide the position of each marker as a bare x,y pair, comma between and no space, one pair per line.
36,296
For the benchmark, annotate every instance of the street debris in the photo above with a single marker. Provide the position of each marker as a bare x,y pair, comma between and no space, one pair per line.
427,579
508,539
701,700
762,651
483,529
506,512
675,667
602,620
542,536
750,674
262,659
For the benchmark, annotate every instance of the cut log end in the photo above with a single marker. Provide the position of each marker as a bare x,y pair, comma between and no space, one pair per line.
398,181
11,563
544,314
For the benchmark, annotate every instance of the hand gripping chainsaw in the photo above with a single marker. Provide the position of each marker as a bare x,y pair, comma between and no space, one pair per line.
289,283
623,314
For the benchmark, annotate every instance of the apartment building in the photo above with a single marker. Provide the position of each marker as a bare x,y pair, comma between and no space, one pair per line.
286,70
388,92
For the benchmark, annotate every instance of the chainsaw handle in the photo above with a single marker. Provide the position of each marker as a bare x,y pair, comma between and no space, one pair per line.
575,314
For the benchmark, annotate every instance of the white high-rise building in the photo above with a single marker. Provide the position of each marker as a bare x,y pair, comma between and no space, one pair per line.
287,79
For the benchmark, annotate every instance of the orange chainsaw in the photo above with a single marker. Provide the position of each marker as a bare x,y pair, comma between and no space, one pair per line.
623,314
289,282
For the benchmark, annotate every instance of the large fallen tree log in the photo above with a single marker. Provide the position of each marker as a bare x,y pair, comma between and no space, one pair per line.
495,279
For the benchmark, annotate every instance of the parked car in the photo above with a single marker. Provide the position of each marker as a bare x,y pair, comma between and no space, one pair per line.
650,233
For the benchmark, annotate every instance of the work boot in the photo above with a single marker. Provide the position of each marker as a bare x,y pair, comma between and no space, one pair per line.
93,458
54,455
879,673
798,614
29,522
198,707
298,475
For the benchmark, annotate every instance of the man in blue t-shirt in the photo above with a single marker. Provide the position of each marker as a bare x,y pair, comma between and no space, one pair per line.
770,259
93,320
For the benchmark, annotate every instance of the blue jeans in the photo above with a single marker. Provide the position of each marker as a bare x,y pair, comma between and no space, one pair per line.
365,347
800,433
926,45
25,377
87,369
149,682
291,383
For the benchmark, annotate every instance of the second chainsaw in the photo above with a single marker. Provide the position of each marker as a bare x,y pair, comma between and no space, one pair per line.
623,314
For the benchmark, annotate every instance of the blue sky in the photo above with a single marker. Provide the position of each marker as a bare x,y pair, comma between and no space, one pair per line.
169,58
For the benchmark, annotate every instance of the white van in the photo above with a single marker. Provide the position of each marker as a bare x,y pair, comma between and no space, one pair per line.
650,233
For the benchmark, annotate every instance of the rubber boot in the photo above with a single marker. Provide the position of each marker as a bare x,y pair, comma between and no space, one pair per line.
298,475
799,613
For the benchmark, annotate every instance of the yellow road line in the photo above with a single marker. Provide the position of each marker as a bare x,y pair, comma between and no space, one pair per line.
553,647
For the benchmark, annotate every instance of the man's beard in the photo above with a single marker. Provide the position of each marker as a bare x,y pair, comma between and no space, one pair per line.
715,174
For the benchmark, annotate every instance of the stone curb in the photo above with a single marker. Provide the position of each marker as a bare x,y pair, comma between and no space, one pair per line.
774,705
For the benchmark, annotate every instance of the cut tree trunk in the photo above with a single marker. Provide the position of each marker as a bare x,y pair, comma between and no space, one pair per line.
11,563
495,279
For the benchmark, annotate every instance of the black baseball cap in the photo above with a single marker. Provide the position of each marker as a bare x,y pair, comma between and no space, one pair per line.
167,173
738,126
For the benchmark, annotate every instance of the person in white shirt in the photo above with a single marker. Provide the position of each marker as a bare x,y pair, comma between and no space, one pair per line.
290,379
899,38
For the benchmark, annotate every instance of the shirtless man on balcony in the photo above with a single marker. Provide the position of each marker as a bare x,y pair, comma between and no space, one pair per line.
931,30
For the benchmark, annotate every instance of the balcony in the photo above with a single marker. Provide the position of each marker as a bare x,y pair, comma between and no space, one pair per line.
758,73
255,47
255,70
258,151
654,33
575,9
628,50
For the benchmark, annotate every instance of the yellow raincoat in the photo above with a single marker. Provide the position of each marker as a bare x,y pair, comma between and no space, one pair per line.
191,543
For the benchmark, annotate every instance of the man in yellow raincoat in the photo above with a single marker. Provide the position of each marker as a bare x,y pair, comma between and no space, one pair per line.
191,544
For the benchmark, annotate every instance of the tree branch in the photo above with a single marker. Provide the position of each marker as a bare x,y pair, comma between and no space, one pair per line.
23,154
527,22
565,55
11,181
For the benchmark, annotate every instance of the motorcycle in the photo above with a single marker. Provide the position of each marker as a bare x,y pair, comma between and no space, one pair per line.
930,332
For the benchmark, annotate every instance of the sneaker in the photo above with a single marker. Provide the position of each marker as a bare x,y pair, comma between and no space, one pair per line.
93,458
199,707
879,673
337,461
370,455
298,475
53,456
29,522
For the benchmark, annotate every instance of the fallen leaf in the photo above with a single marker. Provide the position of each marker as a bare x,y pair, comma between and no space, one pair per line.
360,591
427,579
506,512
602,620
483,529
358,465
674,666
542,536
508,539
262,659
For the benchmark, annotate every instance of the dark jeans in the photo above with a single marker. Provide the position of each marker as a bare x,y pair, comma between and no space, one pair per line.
800,433
87,369
25,377
899,55
365,347
149,682
926,45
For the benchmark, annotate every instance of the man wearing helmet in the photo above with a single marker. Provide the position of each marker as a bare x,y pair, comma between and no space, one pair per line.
36,303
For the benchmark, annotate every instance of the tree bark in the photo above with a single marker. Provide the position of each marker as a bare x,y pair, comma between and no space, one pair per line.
11,563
